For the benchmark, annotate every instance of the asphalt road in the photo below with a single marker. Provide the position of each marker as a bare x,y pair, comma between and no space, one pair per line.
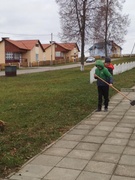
46,68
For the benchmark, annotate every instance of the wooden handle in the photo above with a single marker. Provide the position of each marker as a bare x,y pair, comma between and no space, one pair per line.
113,87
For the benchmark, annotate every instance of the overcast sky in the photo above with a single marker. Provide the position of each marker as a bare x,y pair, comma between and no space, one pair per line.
37,19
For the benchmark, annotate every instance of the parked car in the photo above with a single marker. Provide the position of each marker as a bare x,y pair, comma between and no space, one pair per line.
90,59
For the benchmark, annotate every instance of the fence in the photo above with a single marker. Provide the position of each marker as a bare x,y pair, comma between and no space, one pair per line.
120,68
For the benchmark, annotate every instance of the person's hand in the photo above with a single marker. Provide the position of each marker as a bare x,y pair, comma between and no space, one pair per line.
110,84
95,76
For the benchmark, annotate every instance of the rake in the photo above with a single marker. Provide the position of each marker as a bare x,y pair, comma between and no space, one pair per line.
132,102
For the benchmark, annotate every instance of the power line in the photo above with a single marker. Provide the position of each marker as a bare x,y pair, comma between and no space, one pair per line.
27,34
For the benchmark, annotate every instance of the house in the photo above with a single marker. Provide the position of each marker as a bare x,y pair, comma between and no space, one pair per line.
98,49
20,51
67,52
33,53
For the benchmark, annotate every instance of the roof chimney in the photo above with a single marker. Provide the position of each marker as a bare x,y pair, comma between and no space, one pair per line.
4,38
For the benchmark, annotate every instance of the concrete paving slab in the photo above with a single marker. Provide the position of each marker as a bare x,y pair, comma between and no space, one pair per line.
90,122
106,157
93,176
129,117
127,90
88,146
121,129
129,151
115,116
84,126
104,123
119,135
132,137
57,151
111,119
120,109
15,177
100,167
131,111
131,143
100,115
128,120
126,125
111,148
117,112
96,132
123,170
46,160
34,171
94,139
96,118
104,128
72,137
62,174
72,163
127,160
81,154
121,178
65,144
79,131
116,141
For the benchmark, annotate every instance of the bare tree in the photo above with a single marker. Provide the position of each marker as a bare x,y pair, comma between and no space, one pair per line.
76,18
109,23
98,20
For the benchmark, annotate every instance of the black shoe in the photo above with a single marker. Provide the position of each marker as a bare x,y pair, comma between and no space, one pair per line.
98,110
106,109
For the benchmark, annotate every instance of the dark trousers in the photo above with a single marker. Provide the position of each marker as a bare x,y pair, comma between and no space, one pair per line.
103,93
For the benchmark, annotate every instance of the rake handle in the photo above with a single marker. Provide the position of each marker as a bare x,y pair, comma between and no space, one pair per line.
113,87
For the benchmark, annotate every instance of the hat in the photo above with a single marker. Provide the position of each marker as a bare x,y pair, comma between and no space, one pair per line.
107,60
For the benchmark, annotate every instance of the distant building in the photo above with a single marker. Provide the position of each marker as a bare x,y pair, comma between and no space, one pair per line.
33,53
98,49
20,51
61,51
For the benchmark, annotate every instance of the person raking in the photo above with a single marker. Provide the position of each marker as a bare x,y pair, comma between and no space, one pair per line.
103,88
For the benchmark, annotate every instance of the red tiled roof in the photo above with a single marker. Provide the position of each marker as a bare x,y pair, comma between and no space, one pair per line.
67,46
29,44
24,44
45,46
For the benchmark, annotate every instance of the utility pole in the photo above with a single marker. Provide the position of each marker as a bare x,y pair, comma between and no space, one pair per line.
132,50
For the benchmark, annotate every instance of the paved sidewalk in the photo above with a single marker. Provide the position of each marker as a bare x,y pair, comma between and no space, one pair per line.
100,147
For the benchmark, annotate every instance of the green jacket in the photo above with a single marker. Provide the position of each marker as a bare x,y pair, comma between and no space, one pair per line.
103,73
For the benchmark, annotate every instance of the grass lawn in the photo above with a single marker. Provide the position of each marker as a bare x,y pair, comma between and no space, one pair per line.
38,108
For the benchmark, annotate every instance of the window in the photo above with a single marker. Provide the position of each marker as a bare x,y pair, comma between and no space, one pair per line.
17,56
9,55
36,57
59,54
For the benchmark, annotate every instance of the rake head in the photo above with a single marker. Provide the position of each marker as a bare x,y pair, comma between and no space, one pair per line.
132,103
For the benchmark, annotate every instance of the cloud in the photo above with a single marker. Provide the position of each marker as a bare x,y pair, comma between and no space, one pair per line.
29,17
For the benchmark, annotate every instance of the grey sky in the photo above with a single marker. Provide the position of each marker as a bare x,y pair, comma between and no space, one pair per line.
29,19
37,19
128,8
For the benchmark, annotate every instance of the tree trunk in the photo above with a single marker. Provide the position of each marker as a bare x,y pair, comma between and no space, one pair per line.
83,37
106,29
